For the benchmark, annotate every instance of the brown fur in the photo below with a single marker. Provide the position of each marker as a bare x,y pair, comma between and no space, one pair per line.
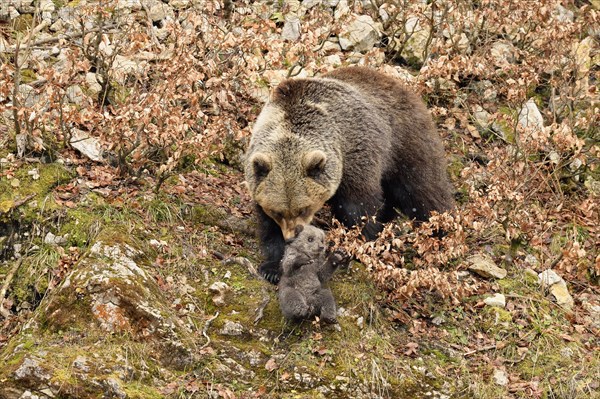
354,138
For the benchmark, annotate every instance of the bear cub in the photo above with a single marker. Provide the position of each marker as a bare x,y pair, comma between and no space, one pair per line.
303,291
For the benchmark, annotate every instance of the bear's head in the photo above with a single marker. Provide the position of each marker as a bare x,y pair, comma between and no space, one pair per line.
293,164
290,187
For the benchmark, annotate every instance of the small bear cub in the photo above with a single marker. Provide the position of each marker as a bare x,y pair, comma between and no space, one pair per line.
303,291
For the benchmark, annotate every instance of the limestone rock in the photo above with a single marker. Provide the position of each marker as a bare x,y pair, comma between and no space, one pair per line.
561,294
503,53
86,144
557,287
291,28
549,277
121,298
484,266
530,117
500,377
416,45
361,35
219,290
231,328
497,300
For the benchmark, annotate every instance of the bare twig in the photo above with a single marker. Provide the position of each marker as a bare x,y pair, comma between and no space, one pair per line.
11,274
261,308
58,38
205,329
482,349
240,260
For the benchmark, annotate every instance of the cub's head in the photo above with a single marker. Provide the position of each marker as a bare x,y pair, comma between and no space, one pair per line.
308,241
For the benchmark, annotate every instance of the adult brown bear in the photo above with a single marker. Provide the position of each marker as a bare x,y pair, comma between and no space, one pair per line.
354,138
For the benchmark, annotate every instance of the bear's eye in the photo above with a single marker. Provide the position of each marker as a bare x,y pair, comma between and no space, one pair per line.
303,212
311,239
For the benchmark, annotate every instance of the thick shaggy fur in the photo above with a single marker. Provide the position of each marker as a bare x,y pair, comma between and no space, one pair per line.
354,138
303,292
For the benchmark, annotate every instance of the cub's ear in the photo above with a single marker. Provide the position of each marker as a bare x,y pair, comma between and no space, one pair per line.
314,163
298,230
261,165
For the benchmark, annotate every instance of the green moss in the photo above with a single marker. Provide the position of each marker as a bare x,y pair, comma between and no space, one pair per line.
28,76
138,390
23,23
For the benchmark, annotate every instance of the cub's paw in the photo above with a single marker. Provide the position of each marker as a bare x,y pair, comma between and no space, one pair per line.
339,257
270,271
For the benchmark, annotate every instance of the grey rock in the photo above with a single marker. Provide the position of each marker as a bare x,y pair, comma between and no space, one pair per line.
484,266
500,377
503,53
563,14
31,371
416,45
51,239
291,28
231,328
81,363
361,35
219,290
530,117
86,144
549,277
77,96
497,300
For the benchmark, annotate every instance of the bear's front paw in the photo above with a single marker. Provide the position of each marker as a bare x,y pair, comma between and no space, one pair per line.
339,257
270,271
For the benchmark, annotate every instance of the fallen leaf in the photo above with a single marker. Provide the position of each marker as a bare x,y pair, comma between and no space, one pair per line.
271,365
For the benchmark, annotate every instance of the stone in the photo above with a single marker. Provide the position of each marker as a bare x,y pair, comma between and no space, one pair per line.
530,117
482,117
291,28
416,45
561,294
47,7
93,85
30,370
563,14
219,290
77,96
500,377
502,53
594,313
157,10
497,300
86,144
124,66
361,35
484,266
109,289
51,239
231,328
548,278
333,60
341,9
593,186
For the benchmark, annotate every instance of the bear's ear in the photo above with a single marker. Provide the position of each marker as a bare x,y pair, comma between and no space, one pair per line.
261,165
298,230
314,163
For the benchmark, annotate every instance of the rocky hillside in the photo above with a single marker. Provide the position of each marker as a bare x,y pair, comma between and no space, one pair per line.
127,251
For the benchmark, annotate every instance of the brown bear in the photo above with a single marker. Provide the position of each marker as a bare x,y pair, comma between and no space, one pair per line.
354,138
303,291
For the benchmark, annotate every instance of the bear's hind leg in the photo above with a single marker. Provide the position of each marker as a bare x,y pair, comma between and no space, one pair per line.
293,304
328,311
